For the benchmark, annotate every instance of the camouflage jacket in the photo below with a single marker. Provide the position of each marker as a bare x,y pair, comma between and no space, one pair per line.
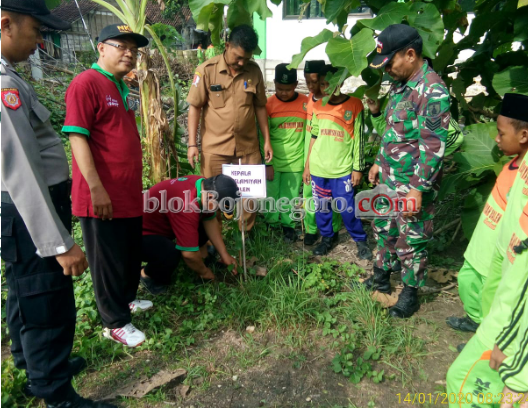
413,145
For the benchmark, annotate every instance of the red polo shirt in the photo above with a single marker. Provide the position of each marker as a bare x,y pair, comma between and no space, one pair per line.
96,106
175,216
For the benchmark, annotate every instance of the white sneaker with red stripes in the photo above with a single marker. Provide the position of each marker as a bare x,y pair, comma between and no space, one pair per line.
139,305
127,335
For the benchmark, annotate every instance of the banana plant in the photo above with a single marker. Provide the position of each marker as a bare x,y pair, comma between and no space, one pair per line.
159,138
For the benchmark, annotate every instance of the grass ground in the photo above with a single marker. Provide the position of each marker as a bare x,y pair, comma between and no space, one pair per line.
318,339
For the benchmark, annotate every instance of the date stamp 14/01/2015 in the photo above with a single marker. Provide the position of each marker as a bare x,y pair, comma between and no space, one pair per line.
460,398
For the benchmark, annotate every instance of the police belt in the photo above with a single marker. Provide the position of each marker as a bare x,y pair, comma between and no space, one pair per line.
56,191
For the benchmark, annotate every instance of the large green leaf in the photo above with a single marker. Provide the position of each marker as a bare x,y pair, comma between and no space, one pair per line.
520,25
392,13
216,23
238,14
334,82
351,54
260,7
473,206
424,17
427,20
513,79
336,11
309,43
205,10
373,91
478,157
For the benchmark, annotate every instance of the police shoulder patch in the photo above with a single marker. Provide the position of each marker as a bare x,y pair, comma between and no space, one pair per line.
11,98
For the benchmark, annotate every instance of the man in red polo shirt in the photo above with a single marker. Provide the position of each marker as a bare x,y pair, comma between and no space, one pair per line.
182,209
107,179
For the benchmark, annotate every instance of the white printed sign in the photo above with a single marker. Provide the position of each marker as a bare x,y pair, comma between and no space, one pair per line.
251,179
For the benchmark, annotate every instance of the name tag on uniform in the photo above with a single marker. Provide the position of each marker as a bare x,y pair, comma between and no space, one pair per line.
404,105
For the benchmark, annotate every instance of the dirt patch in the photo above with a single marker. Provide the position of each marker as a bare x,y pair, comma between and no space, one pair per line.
260,370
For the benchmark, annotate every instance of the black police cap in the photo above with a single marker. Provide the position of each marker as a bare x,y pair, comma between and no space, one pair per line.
122,30
314,66
284,75
38,10
391,40
515,106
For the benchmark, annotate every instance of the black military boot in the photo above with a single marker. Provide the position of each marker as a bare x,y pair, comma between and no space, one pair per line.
464,324
326,245
75,365
290,236
396,266
310,239
407,303
76,401
364,251
380,281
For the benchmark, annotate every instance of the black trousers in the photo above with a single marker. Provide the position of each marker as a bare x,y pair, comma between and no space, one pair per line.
113,249
161,256
40,304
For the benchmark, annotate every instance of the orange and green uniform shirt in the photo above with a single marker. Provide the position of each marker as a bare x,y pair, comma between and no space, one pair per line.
287,123
482,244
339,148
309,114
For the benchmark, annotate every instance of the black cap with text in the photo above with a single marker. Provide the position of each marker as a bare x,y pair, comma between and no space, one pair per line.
122,30
391,40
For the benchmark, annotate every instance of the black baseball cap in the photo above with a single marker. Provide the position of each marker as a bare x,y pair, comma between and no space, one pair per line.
515,106
391,40
122,30
226,187
284,75
36,9
314,66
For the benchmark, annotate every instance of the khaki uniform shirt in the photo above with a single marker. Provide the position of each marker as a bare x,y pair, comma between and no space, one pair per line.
33,159
228,123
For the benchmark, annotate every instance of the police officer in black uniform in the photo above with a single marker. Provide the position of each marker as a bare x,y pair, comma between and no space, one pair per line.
39,253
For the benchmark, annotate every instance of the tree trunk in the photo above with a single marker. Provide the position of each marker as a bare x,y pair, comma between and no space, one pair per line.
155,126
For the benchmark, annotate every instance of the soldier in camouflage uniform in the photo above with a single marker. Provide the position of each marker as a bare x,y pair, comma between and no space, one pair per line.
414,130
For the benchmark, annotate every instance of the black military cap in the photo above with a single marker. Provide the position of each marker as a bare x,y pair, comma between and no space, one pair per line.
515,106
284,75
391,40
122,30
328,68
314,66
38,10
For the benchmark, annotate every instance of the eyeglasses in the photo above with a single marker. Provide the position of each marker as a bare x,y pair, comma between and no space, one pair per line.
134,51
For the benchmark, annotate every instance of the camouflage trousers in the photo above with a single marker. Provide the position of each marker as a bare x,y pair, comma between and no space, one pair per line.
405,238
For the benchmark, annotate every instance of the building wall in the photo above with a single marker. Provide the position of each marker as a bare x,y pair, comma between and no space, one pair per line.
284,36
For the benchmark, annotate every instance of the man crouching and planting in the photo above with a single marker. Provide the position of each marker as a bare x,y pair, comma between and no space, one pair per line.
182,210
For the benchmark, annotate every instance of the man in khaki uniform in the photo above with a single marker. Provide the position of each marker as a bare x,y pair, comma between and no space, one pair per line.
229,89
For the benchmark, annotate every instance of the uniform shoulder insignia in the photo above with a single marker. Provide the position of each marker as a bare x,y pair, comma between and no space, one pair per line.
11,98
